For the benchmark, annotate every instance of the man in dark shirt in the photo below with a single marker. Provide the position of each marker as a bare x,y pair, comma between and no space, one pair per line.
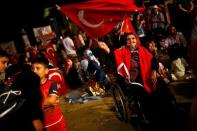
29,116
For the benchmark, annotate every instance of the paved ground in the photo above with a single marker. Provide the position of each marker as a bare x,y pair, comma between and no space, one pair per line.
96,115
99,115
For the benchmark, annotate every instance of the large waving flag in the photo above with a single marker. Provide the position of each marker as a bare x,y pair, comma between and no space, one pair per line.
98,17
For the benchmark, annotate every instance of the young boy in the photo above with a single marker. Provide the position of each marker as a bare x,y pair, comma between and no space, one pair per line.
53,117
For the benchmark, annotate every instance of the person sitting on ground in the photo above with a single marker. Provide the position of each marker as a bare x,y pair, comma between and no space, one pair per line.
174,38
178,64
162,71
95,69
152,47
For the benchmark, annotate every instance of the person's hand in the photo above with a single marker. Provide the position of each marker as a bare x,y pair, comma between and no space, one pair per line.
143,21
38,125
153,76
153,79
127,82
103,46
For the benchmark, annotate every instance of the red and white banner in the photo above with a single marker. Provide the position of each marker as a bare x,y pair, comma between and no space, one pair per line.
99,17
44,32
50,53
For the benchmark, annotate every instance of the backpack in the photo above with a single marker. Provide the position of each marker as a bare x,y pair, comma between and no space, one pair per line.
10,101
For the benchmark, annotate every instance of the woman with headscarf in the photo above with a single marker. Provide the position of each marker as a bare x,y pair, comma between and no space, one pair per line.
136,64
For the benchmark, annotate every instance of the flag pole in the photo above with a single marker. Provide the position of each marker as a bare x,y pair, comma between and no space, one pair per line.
125,15
57,6
121,28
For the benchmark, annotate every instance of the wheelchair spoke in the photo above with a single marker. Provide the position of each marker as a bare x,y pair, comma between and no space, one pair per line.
120,102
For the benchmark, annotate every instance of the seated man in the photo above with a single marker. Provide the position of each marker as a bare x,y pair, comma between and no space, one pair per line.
179,65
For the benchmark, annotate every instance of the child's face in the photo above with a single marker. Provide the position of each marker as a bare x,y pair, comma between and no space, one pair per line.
40,70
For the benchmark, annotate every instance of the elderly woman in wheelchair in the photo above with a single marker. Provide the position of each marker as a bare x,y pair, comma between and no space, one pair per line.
139,91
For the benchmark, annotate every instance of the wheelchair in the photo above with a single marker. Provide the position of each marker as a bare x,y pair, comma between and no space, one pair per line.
128,106
131,106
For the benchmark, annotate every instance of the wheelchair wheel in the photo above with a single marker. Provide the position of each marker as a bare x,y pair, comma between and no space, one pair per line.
120,102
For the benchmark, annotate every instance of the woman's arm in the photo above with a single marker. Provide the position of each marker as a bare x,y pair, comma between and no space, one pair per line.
154,69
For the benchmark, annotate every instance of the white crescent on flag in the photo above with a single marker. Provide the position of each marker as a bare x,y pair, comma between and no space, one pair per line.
50,51
85,22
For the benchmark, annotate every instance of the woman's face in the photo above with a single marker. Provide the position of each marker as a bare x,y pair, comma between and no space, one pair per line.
131,41
152,46
69,63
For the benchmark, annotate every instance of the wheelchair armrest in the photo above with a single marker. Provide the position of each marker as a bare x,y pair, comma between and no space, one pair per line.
136,84
127,82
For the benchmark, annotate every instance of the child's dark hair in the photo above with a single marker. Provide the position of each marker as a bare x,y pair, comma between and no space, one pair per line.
41,60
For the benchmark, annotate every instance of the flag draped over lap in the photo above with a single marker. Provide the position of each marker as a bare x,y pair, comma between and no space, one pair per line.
98,17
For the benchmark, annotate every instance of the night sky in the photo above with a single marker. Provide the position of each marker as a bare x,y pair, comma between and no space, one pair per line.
21,13
17,14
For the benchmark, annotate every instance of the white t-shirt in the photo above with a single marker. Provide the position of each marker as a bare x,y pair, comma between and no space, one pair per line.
69,46
84,64
178,67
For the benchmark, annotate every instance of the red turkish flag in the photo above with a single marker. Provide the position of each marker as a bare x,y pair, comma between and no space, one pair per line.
98,17
50,53
127,27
